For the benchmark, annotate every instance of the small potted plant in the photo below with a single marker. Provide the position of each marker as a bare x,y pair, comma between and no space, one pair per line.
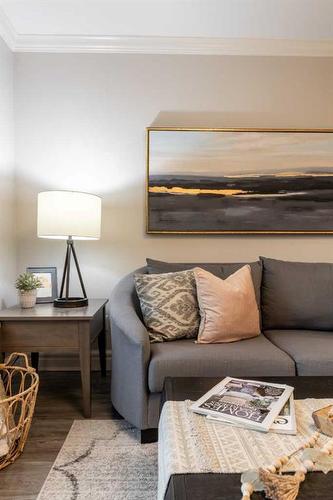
27,285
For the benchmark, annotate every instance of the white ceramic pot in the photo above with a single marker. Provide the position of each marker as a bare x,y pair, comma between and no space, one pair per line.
28,298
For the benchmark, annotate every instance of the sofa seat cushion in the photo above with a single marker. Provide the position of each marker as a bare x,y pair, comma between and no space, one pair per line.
247,358
311,350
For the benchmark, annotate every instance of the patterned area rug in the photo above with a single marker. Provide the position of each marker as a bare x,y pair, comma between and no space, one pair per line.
103,460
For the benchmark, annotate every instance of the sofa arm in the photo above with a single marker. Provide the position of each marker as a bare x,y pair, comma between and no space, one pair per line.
130,356
124,315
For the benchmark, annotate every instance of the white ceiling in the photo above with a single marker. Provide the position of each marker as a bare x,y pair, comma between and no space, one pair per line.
302,19
53,24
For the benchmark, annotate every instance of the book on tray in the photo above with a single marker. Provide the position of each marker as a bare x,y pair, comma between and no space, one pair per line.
252,404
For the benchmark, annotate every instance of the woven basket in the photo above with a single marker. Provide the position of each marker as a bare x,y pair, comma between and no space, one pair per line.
17,406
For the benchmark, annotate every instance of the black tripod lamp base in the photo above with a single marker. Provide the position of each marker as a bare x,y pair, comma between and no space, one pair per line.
71,302
67,301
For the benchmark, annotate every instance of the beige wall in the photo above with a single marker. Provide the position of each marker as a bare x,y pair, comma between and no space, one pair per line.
80,124
7,207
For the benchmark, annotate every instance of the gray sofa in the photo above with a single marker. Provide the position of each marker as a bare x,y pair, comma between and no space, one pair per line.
296,303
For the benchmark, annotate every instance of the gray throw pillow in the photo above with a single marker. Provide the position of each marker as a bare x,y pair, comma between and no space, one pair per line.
169,305
297,295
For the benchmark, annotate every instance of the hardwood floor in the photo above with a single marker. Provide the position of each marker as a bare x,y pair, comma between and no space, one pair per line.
58,404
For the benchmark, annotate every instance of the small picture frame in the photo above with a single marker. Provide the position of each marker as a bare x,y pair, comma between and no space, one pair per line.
48,276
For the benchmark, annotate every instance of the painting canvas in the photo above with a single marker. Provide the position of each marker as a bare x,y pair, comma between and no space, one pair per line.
239,181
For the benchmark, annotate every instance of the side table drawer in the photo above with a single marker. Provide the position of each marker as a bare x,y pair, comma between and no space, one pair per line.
33,334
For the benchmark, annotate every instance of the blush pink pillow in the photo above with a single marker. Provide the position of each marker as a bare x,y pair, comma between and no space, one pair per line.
228,308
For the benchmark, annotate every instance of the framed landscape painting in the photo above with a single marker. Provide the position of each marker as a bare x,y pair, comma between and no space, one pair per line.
225,181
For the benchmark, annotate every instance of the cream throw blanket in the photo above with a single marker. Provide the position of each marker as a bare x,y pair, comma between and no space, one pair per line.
190,443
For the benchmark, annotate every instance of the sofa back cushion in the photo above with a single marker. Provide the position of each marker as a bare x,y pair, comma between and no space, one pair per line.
297,295
223,270
158,267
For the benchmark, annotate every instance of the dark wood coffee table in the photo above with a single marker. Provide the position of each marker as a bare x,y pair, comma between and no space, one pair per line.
227,486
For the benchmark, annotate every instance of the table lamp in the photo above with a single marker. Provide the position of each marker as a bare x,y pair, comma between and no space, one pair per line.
69,215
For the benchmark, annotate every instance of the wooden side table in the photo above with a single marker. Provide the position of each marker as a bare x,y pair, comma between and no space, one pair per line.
45,328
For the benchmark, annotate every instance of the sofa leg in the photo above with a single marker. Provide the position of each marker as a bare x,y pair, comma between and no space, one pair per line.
149,436
115,415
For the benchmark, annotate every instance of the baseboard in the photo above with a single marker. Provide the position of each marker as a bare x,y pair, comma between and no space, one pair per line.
70,361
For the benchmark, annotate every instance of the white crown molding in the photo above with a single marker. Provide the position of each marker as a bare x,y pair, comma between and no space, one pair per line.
172,45
7,31
18,42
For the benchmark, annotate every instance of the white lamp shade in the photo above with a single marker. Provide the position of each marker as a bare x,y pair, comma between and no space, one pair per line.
69,213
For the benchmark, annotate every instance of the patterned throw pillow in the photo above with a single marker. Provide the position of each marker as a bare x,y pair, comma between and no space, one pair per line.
169,305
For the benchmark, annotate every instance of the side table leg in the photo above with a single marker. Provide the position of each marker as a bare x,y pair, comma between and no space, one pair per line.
84,343
35,360
102,347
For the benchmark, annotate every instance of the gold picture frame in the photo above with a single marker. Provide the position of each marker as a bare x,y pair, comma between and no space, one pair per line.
173,194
